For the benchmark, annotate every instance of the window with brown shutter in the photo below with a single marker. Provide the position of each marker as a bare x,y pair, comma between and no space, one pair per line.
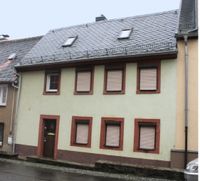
112,133
147,135
114,80
84,81
148,77
52,83
81,131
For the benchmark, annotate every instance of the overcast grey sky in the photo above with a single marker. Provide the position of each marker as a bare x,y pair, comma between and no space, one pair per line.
25,18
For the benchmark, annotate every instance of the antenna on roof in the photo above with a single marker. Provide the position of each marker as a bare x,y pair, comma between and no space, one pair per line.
4,37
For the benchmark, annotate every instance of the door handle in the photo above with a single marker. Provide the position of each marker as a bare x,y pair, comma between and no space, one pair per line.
45,140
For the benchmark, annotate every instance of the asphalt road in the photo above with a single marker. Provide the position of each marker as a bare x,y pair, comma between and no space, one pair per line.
15,170
23,172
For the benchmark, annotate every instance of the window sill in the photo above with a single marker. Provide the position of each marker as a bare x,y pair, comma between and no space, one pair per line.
120,148
83,93
148,92
81,145
147,151
51,93
114,92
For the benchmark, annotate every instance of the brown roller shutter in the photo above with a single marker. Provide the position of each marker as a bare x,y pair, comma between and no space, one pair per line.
147,137
83,81
114,80
148,79
82,133
112,135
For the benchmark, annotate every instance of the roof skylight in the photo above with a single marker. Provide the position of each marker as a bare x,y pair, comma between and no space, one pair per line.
125,34
69,41
12,56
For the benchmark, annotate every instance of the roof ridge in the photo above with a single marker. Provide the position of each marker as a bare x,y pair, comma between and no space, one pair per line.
21,39
114,19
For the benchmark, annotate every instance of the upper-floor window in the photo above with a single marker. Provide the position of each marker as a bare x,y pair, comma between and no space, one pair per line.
3,94
125,34
52,82
114,81
84,81
69,41
148,77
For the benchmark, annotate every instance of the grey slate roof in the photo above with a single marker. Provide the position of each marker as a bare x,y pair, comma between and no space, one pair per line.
188,16
7,47
152,34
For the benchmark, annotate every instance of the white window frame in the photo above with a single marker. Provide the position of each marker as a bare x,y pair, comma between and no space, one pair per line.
1,94
125,33
48,78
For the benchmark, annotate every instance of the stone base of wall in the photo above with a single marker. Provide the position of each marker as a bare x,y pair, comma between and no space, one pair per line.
90,158
25,150
177,158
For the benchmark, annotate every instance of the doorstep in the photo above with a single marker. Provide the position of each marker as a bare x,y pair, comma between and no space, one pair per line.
113,167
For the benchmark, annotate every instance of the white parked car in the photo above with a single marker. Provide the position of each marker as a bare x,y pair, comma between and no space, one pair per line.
191,171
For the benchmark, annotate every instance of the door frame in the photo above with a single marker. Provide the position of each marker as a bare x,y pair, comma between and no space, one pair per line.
40,147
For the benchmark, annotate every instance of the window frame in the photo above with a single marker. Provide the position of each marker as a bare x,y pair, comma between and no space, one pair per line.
108,68
149,65
84,69
1,101
2,134
81,120
111,121
120,37
51,72
146,123
65,44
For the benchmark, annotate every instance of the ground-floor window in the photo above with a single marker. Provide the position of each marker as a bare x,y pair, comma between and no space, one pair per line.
147,135
1,133
81,131
112,133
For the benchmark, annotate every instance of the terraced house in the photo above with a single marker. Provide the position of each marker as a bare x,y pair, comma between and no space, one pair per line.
11,52
102,91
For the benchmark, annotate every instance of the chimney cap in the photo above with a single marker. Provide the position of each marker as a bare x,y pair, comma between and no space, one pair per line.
101,18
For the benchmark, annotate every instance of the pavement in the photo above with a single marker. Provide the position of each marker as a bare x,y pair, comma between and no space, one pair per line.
16,170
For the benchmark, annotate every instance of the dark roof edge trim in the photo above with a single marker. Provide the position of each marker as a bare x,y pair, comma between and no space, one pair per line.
98,61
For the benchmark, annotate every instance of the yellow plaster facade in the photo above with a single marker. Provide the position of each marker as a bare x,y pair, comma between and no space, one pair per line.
192,99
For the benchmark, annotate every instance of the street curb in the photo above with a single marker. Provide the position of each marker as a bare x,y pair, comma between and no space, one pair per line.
106,167
118,168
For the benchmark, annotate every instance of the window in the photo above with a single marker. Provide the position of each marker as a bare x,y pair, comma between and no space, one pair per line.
112,133
69,41
125,34
148,78
52,83
84,81
1,133
12,56
81,131
3,94
114,80
147,135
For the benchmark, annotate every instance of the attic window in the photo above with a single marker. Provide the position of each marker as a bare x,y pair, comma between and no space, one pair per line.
69,41
12,56
125,34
